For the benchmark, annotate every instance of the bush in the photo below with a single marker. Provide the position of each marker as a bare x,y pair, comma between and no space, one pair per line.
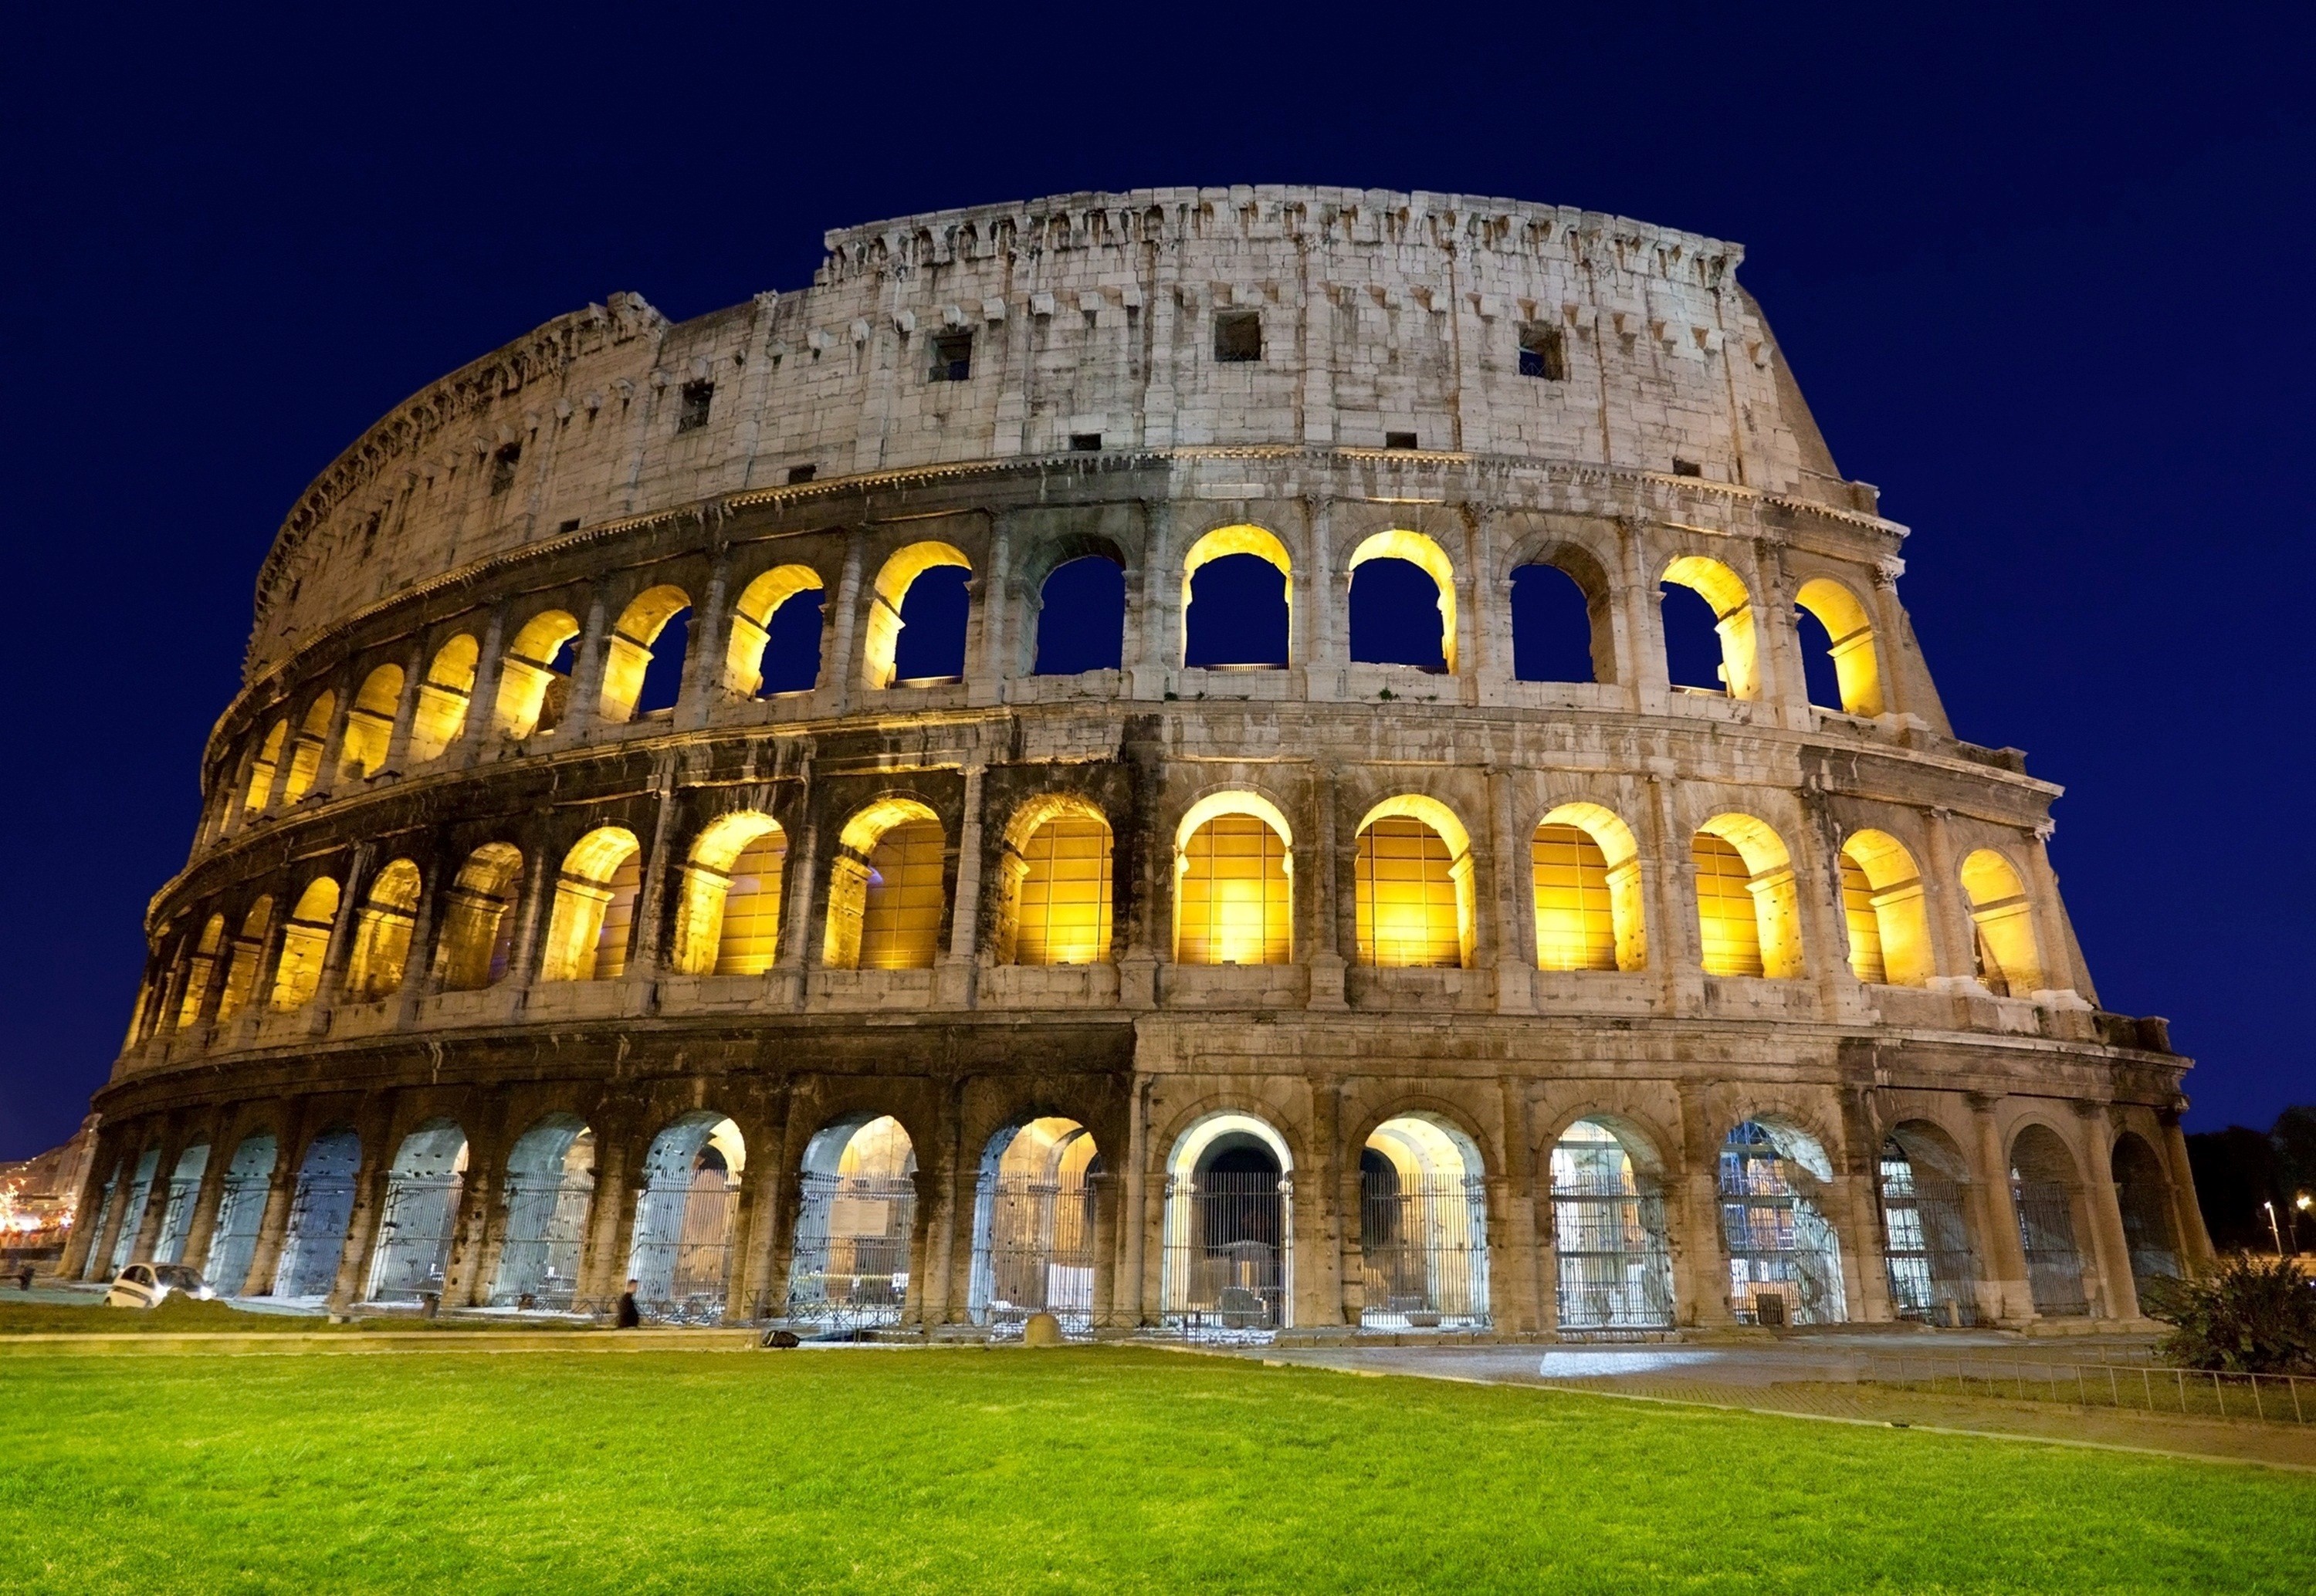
2253,1315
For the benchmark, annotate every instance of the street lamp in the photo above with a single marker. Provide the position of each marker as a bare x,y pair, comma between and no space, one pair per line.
2272,1228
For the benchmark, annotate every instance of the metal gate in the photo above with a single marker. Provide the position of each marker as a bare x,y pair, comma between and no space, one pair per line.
132,1219
1033,1251
682,1250
850,1266
94,1267
176,1219
1926,1245
545,1234
414,1237
1424,1251
1613,1248
2047,1229
1780,1244
241,1214
1226,1267
315,1237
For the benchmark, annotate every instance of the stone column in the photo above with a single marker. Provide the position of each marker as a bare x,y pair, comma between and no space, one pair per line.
988,660
1514,937
334,740
2195,1239
703,656
2061,976
954,978
1640,641
1515,1289
539,875
2005,1251
767,1194
483,701
1153,590
1326,916
89,1218
202,1222
340,948
585,708
1954,938
1106,1192
1693,1218
651,913
478,1227
2110,1249
611,1213
1673,945
281,1191
840,670
405,715
1133,1302
1316,1213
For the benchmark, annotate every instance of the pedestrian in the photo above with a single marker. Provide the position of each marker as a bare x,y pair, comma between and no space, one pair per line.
24,1279
629,1316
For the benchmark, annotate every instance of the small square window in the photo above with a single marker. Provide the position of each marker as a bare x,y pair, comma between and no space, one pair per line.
801,473
1399,440
696,397
1085,443
1542,353
570,525
1687,468
952,357
1238,335
502,464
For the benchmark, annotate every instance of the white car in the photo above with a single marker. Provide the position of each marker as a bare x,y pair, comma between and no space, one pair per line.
144,1285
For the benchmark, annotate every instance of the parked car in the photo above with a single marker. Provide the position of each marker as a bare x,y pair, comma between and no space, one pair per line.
144,1285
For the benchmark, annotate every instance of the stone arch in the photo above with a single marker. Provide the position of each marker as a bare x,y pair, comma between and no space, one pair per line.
1584,873
751,623
1533,564
1228,1258
381,946
888,891
200,965
444,693
241,1212
1780,1245
2143,1191
1093,573
1884,912
1747,911
681,1255
533,693
1423,1225
477,941
588,932
2044,1183
1424,552
305,752
1033,1224
1849,631
1054,884
1923,1194
1611,1242
727,912
362,747
241,965
177,1207
1732,617
893,579
627,652
320,1210
1413,898
856,1223
2009,963
416,1225
261,767
1233,881
550,1188
304,945
1265,545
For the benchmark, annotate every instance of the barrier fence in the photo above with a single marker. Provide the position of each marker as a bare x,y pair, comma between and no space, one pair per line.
2193,1393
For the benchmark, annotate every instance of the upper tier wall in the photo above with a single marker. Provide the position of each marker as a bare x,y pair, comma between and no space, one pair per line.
1090,314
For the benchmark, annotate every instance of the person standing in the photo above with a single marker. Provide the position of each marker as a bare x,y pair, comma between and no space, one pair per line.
630,1316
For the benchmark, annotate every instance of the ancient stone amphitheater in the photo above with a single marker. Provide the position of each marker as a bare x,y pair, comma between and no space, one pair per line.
885,806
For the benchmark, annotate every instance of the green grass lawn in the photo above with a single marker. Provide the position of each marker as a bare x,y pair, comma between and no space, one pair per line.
1081,1470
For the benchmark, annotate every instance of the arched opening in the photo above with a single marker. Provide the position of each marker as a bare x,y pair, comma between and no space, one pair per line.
305,753
1057,861
200,966
886,889
263,767
2008,963
1033,1226
1412,873
1748,916
381,951
240,968
93,1267
1585,872
1228,1260
2144,1192
1838,655
177,1204
369,724
550,1182
1784,1259
1608,1233
1926,1229
443,698
132,1214
241,1214
727,915
478,942
1883,911
594,908
776,631
319,1211
534,677
2043,1182
1711,649
1423,1226
1233,888
416,1225
934,653
855,1213
643,661
1238,587
1081,616
680,1258
305,944
1556,635
1402,602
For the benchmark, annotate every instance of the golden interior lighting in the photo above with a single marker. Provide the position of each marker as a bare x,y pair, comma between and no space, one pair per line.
751,620
241,970
901,915
2008,963
528,700
1426,555
1856,669
305,942
629,654
1575,924
1061,913
892,583
198,970
1883,906
1406,900
594,908
369,724
478,919
1233,897
1865,927
727,918
1726,927
1733,613
381,950
261,768
1763,873
305,753
1237,540
443,698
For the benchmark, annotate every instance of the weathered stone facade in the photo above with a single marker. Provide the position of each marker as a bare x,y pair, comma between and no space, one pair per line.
1510,386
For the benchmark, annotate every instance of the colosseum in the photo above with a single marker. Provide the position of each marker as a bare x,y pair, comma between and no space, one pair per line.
1212,762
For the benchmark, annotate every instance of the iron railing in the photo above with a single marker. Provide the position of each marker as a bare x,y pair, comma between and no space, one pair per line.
2149,1387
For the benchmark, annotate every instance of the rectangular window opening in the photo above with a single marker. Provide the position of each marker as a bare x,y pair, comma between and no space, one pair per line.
952,357
1542,353
1085,443
1238,335
502,464
801,474
696,397
1681,467
1399,440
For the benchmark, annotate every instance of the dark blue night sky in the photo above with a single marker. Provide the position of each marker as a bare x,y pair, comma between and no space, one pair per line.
2042,274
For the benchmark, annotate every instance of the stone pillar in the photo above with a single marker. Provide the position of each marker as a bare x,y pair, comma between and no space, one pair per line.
927,1182
2061,976
2195,1239
539,875
202,1220
89,1218
702,687
1954,938
1316,1213
1505,875
281,1191
840,671
1106,1192
1133,1301
2110,1249
1693,1218
405,715
1153,590
476,1228
483,702
2005,1252
612,1215
1515,1289
954,979
651,913
1327,915
1641,640
1671,875
1315,637
585,708
765,1197
988,660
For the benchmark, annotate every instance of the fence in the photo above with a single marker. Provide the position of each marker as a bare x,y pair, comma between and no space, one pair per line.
851,1266
1034,1250
1226,1261
2193,1393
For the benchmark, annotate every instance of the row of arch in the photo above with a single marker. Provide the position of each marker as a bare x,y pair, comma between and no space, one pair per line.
1402,588
1042,1232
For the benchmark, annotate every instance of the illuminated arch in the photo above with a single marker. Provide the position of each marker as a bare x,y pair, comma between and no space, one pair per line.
369,724
594,908
856,1221
248,949
1228,1232
1423,1226
305,943
381,950
1033,1224
886,890
1056,888
1856,668
198,966
1749,914
1257,541
528,673
752,621
628,652
478,939
1586,881
442,699
423,1185
550,1187
2044,1182
1611,1242
900,572
727,912
1774,1181
1732,617
261,767
1233,882
1414,875
305,752
2009,963
1427,555
1883,910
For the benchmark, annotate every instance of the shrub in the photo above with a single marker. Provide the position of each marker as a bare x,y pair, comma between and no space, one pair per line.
2252,1315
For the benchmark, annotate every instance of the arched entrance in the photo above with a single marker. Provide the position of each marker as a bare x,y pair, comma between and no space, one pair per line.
1033,1221
422,1210
1423,1228
2145,1194
1925,1228
132,1216
1608,1234
1785,1260
682,1254
319,1211
2042,1190
550,1184
177,1213
855,1213
1228,1257
241,1214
